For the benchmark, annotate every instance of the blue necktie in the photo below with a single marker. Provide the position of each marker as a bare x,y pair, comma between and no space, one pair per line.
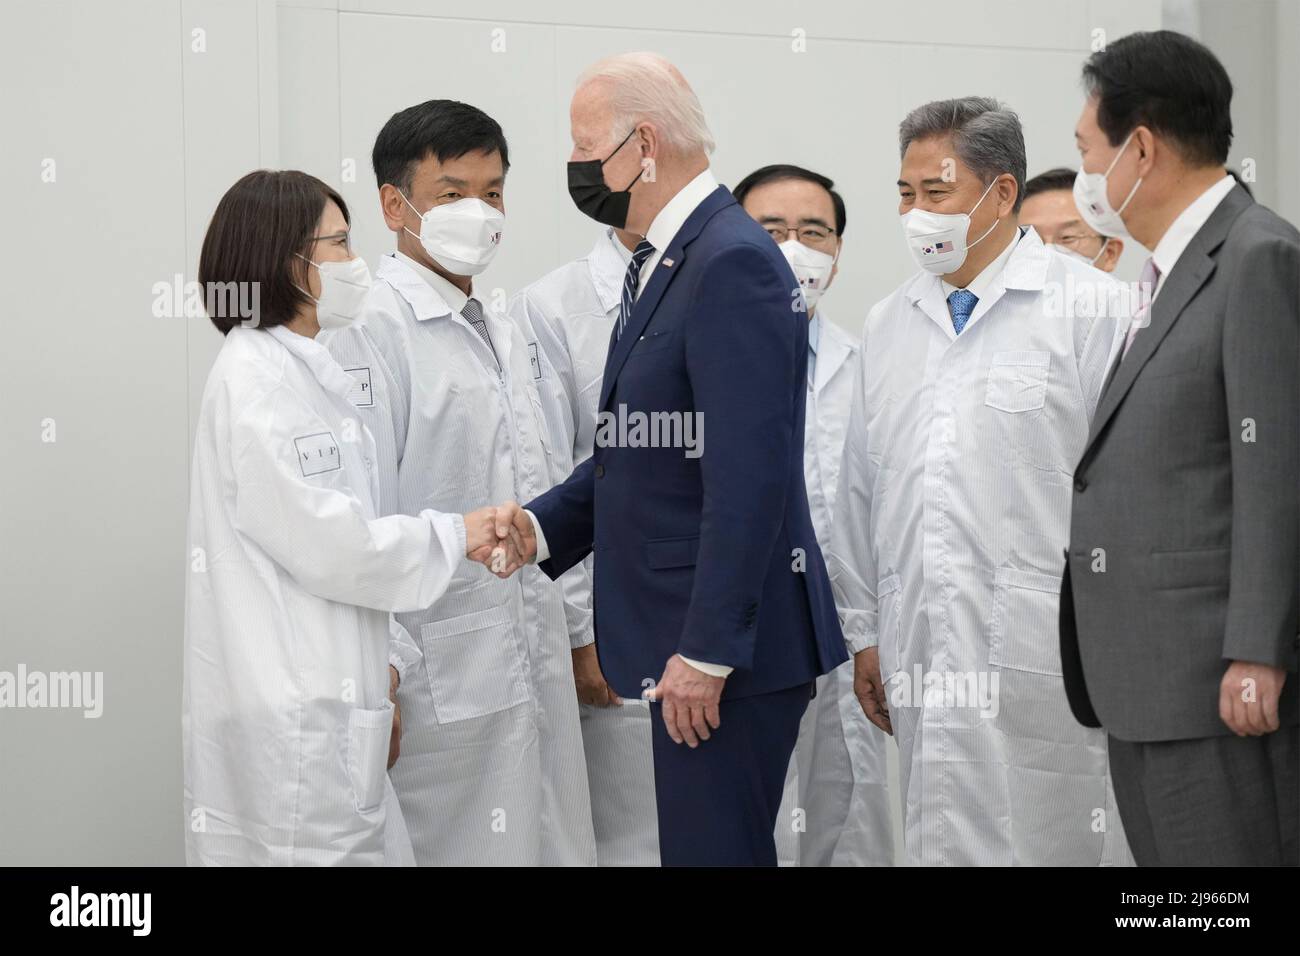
961,304
631,282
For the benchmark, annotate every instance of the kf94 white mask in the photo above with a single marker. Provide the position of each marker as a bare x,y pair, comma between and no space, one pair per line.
938,240
1091,196
461,236
343,289
811,267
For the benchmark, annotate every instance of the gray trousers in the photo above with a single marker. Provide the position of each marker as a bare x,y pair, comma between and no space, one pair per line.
1212,801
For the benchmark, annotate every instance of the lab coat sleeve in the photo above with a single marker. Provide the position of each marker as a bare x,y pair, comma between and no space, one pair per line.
851,559
403,653
317,531
746,359
536,324
576,584
1098,337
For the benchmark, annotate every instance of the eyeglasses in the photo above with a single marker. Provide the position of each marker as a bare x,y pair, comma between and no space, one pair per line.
808,235
339,238
1076,239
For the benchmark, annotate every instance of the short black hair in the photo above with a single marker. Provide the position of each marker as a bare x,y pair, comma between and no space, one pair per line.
260,227
783,171
1060,177
1169,83
444,129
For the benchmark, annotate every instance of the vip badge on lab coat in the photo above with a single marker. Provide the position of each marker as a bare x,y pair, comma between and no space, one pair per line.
318,454
361,396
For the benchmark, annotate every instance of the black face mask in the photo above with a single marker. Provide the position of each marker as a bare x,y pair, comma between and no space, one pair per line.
591,195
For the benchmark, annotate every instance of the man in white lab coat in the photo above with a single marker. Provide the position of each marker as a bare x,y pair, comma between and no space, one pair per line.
974,386
836,807
491,768
569,314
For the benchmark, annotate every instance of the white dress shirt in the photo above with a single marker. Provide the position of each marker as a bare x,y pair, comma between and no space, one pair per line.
662,229
980,284
1182,230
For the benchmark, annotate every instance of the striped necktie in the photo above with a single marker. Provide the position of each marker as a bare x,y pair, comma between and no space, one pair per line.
631,282
473,313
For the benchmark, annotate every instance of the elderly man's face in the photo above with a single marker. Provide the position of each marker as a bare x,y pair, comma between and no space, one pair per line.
592,127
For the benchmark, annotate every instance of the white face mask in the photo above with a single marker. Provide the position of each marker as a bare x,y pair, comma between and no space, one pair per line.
811,267
938,240
461,236
1067,251
1092,197
343,289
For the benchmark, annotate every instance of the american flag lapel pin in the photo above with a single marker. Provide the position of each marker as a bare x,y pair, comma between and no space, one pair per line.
668,263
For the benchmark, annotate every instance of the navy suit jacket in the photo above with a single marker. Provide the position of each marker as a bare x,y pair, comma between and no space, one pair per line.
713,557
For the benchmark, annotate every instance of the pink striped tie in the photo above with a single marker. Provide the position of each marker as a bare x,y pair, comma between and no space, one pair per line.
1146,291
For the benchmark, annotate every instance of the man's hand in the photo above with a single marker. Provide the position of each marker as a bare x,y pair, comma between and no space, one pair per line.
589,681
483,544
870,690
513,523
690,701
395,741
1248,698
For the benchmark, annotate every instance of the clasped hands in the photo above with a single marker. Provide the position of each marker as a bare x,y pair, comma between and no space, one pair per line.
501,538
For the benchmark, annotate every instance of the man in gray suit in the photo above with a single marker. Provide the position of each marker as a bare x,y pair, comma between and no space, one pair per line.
1184,558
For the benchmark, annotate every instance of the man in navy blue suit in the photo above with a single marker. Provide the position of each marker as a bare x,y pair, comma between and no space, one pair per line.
711,597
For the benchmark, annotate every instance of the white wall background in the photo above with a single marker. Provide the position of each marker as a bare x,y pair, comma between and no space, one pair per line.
145,130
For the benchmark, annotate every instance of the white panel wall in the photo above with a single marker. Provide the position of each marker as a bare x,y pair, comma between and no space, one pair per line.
146,133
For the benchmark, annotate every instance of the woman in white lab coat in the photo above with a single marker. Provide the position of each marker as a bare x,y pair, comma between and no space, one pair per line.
286,714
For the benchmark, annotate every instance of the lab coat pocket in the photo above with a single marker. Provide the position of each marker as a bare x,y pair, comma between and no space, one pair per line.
1023,632
474,665
1018,381
369,732
889,596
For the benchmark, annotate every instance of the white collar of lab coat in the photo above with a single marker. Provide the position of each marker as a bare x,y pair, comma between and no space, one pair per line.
426,296
607,269
834,346
678,209
317,358
1025,269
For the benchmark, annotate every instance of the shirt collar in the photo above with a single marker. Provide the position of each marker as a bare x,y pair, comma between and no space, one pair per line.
607,263
678,209
980,284
317,358
448,292
1182,230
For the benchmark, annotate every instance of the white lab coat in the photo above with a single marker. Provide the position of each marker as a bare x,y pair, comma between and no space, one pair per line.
951,521
285,713
570,314
492,768
836,806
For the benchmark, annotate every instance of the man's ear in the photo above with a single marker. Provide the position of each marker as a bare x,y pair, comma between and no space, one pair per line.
1006,191
393,207
1110,257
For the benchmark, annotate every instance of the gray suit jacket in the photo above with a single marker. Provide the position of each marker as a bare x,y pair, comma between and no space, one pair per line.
1185,530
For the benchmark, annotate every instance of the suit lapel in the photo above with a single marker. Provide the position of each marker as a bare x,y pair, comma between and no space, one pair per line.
669,264
1189,274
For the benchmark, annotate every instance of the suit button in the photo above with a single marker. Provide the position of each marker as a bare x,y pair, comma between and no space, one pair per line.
600,471
1080,483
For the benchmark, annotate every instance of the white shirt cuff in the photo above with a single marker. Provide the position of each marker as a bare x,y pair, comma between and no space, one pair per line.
713,670
543,552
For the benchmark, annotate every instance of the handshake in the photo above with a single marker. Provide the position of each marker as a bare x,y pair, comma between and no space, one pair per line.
501,538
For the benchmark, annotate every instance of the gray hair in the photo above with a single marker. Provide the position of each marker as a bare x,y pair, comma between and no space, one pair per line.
986,136
646,86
